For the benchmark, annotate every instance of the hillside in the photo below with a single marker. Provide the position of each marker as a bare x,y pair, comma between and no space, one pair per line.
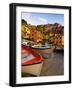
47,33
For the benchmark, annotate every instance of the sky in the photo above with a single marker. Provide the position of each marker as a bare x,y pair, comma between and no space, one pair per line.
42,18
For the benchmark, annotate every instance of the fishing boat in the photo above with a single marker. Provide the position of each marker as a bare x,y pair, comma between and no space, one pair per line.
31,61
45,51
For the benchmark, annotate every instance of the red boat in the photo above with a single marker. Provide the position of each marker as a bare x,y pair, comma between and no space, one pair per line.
31,61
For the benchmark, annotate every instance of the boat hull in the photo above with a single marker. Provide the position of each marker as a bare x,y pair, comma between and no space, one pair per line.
34,69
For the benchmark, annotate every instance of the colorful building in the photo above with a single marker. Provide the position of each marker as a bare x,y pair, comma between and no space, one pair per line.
36,36
25,32
59,40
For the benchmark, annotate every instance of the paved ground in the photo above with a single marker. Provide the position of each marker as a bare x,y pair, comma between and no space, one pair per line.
54,65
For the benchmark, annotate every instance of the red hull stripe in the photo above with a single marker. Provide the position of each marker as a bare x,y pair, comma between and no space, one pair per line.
38,58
